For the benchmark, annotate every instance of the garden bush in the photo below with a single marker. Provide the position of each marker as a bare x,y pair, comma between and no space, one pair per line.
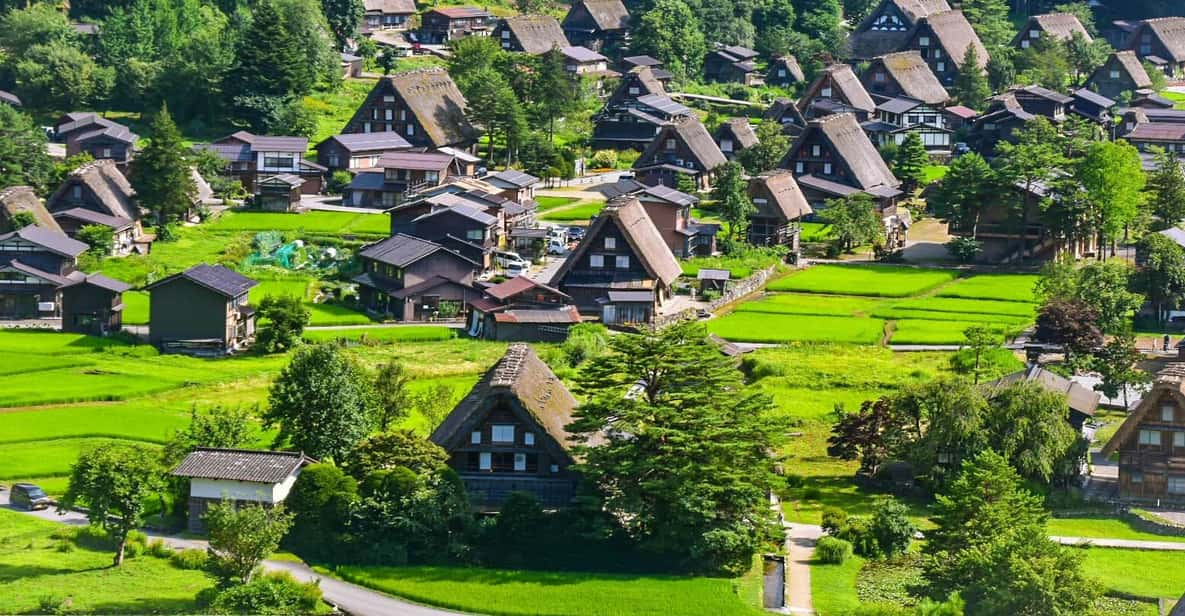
159,549
192,559
271,593
833,551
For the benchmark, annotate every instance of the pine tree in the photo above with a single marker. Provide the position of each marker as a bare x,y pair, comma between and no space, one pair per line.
1166,190
343,17
160,172
971,85
910,163
268,57
554,93
990,20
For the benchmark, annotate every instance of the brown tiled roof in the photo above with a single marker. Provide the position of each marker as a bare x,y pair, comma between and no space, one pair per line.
516,285
911,72
609,15
241,465
537,33
742,132
1171,32
563,314
1171,381
956,35
788,201
22,199
109,185
437,103
856,153
523,376
640,233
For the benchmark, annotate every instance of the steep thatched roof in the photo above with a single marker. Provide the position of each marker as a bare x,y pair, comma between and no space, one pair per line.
784,199
643,237
788,62
1058,26
1127,61
867,41
913,75
691,132
107,183
521,376
852,149
1170,382
956,35
437,103
1170,31
536,34
608,15
741,132
845,87
22,199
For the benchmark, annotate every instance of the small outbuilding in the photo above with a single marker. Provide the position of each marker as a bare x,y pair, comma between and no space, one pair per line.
239,475
201,310
93,305
712,280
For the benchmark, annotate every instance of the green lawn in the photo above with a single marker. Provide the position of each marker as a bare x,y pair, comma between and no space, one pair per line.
335,223
919,331
1113,528
956,305
812,303
550,203
413,333
833,587
815,232
1177,97
1005,287
32,569
579,212
933,173
878,281
738,267
776,328
333,110
1142,573
504,592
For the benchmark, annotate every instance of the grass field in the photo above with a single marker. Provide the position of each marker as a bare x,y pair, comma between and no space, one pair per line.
738,267
777,328
833,587
814,232
550,203
921,331
933,173
503,592
574,213
1141,573
33,570
413,333
1006,287
1113,528
336,223
879,281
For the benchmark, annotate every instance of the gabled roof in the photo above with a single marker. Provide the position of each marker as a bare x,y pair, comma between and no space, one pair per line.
118,132
736,53
1046,93
460,12
577,53
1078,397
536,34
1170,381
844,87
609,15
740,129
10,98
267,143
913,75
867,41
108,184
787,202
780,108
1157,131
53,241
1171,32
216,278
241,465
664,104
368,142
401,250
956,35
518,284
639,61
788,62
81,120
436,102
390,7
521,375
900,104
648,193
853,149
1128,62
628,215
116,223
471,212
513,177
693,134
22,199
101,281
1059,27
55,279
415,161
1094,98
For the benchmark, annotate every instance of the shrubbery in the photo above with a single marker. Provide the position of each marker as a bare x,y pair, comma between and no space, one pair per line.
271,593
887,533
193,559
833,551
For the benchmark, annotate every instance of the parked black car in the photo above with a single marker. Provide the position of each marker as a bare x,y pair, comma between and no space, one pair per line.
28,496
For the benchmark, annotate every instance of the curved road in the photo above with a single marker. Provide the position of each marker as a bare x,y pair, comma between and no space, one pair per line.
350,598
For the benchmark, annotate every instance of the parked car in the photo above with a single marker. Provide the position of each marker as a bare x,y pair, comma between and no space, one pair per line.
556,247
961,148
575,234
28,496
510,260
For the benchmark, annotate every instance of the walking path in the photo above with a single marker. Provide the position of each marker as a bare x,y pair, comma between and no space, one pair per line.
800,550
1131,544
452,324
350,598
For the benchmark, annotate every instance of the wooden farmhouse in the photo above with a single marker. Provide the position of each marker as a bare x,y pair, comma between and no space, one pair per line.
1122,72
203,310
1058,27
17,199
423,106
904,74
251,158
396,177
93,305
1150,443
242,476
682,147
457,223
636,122
442,24
780,206
834,158
784,71
943,40
735,135
97,136
887,27
596,24
530,34
521,309
1161,42
732,64
836,90
35,264
413,279
622,270
509,434
358,151
386,15
97,193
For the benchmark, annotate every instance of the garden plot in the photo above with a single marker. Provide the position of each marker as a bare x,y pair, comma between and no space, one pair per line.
1003,287
876,281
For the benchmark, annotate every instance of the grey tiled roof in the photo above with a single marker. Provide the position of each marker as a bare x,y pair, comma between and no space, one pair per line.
50,240
241,465
214,277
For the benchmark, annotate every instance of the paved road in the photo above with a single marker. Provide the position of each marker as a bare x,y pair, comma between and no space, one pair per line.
348,597
1160,546
800,546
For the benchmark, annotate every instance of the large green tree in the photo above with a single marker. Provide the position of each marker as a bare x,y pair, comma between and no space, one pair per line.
990,546
990,20
909,165
60,76
1113,176
657,401
39,23
322,402
963,193
731,193
24,159
268,66
343,17
854,221
286,317
1118,366
114,482
1166,190
971,86
161,172
1027,164
670,31
772,144
241,538
1161,276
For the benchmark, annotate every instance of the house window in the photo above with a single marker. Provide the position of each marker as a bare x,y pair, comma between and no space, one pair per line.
1114,74
432,176
726,145
555,468
633,90
475,234
1176,484
623,262
879,77
610,243
941,67
502,434
1137,477
937,53
333,160
1024,44
520,461
76,192
1150,437
411,129
106,153
1166,412
366,127
924,41
388,98
484,461
670,144
403,115
596,261
389,199
797,167
1178,439
781,72
389,114
826,168
825,92
475,437
816,150
277,162
528,438
506,34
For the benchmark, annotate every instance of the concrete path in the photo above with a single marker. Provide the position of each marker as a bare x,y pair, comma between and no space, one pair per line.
800,550
1132,544
353,599
452,324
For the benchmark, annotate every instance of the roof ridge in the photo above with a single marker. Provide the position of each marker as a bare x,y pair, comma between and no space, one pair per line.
252,451
510,367
11,190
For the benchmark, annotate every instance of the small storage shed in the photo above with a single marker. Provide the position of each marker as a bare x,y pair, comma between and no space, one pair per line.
241,476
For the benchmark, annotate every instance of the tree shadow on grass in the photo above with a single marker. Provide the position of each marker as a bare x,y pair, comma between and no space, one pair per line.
145,606
9,573
481,576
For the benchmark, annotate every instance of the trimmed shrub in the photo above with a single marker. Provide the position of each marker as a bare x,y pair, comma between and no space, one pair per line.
834,520
159,549
192,559
833,551
271,593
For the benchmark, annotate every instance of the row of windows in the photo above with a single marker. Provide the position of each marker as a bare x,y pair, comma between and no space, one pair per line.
505,462
598,261
501,433
1153,438
386,128
1174,484
801,168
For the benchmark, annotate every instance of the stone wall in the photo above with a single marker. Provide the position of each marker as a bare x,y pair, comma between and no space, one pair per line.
752,284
